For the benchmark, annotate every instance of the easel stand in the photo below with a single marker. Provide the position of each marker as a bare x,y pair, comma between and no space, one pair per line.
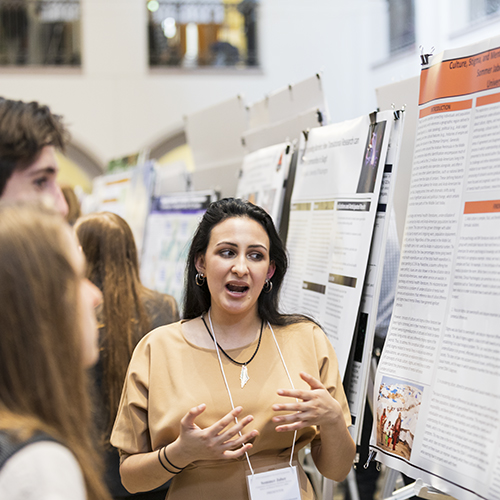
418,488
405,492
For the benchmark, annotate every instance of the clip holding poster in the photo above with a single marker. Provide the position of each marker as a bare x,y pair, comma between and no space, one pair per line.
424,58
397,112
305,133
371,456
318,76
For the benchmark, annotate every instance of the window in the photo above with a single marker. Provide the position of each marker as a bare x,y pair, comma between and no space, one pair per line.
401,24
39,32
190,34
480,9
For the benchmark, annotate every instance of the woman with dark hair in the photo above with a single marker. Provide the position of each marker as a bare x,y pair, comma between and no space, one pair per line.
128,311
194,387
48,339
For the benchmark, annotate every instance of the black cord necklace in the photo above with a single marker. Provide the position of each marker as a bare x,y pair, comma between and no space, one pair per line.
244,372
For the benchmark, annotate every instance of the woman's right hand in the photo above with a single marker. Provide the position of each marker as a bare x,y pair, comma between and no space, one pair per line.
221,440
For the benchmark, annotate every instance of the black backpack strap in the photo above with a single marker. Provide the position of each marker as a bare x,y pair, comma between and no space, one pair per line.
9,445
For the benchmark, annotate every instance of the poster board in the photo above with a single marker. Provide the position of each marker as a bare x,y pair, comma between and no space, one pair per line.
263,176
127,194
285,130
172,177
437,387
292,101
283,114
402,95
214,133
333,208
358,369
169,230
288,102
222,178
214,136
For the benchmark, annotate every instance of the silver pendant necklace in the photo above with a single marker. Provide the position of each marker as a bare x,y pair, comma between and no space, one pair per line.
244,377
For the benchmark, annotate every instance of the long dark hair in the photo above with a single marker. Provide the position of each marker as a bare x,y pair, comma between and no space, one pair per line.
197,299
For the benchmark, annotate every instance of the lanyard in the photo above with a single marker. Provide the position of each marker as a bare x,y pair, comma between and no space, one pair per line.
229,391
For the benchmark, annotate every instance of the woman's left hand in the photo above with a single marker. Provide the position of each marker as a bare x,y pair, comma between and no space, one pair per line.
315,407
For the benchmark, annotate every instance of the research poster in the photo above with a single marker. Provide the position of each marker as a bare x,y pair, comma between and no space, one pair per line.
262,178
169,229
437,387
127,194
332,215
359,366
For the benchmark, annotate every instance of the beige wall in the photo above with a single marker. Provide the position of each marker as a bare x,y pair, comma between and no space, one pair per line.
115,105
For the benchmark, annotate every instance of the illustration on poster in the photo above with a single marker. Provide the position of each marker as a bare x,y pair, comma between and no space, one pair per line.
398,404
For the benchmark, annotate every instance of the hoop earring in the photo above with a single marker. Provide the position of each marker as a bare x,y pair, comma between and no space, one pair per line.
268,286
200,279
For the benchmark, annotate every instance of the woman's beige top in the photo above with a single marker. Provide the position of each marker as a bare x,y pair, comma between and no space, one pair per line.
168,375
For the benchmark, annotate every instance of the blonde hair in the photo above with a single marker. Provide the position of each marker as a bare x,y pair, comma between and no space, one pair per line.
43,384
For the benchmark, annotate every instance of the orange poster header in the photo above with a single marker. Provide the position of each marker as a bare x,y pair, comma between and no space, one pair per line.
482,207
487,99
446,106
456,77
118,181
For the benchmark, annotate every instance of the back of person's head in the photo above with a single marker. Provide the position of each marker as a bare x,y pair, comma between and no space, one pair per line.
109,247
112,265
42,367
197,298
25,129
74,208
38,288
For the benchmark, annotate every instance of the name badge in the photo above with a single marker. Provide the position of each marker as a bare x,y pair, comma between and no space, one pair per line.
278,484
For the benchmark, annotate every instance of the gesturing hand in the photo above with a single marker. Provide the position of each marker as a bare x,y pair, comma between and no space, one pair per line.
316,407
221,440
